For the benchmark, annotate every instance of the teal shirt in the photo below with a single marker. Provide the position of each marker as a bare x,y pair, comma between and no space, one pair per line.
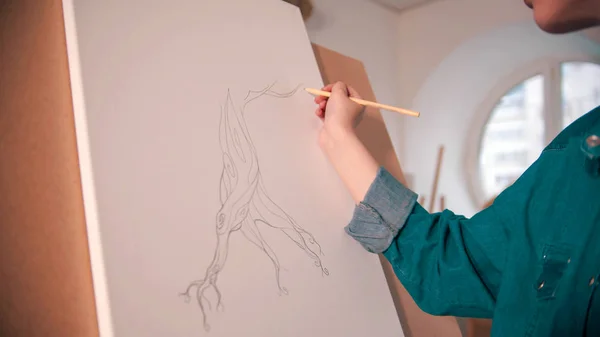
530,261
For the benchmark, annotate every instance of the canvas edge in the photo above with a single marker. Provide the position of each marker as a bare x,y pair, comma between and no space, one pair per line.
86,170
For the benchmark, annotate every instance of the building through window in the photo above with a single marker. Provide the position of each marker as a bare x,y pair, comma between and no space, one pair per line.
526,117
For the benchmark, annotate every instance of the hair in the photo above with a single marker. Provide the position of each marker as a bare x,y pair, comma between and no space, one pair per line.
305,6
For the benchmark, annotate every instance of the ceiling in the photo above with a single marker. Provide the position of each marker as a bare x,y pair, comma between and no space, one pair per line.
399,5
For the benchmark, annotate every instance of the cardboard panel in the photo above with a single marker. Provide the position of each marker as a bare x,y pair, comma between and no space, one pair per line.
372,131
46,285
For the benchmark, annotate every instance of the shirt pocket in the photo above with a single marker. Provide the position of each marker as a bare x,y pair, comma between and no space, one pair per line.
551,269
554,262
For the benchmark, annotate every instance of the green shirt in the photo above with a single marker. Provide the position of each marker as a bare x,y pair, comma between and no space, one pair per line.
530,261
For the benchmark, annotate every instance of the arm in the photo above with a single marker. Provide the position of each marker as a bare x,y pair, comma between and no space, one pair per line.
449,264
352,161
446,262
354,164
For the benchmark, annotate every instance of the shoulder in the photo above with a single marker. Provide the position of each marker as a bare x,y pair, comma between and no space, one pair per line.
579,128
556,176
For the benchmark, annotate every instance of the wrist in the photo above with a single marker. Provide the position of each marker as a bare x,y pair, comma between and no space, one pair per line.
351,159
334,137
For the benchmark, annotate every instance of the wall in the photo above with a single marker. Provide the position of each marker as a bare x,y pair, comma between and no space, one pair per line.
366,31
448,56
448,78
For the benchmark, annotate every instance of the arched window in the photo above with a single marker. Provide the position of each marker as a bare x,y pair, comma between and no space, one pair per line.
527,116
580,89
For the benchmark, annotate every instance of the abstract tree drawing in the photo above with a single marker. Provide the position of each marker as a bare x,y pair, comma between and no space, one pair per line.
246,206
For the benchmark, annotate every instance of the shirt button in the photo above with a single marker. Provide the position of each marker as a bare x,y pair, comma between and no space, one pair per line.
591,149
593,141
592,280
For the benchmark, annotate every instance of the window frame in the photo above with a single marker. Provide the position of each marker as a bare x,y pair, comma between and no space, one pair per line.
550,69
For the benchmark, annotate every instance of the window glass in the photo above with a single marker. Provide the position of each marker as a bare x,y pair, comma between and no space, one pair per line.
513,137
580,89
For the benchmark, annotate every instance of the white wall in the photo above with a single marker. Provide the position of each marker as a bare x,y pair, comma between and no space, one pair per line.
365,31
442,59
456,52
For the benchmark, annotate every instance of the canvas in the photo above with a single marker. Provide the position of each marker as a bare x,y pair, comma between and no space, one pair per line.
211,211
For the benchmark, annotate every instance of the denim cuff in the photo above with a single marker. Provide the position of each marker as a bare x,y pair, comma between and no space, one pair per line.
380,216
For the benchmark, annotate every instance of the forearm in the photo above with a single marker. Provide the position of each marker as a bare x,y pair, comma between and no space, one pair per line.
354,164
440,258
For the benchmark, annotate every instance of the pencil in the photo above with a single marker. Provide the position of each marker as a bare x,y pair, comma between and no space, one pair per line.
317,92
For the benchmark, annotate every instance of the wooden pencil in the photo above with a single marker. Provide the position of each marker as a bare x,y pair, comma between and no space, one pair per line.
317,92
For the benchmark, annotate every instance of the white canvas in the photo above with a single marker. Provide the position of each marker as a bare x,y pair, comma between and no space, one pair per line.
191,121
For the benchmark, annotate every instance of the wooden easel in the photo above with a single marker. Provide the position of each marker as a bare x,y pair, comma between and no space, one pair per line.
434,186
48,264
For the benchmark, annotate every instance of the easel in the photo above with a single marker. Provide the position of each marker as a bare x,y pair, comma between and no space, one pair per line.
42,203
434,186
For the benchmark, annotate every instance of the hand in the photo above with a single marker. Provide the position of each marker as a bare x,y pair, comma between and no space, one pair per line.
338,112
350,158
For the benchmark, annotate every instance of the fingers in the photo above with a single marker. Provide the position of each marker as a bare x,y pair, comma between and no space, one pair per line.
321,102
321,105
319,99
320,113
353,92
348,90
339,88
328,87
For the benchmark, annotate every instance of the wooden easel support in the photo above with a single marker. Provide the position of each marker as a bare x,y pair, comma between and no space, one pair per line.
434,187
436,177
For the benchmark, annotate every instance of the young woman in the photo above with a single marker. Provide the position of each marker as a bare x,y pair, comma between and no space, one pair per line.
530,261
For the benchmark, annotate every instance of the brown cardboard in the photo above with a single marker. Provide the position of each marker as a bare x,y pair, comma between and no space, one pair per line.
45,279
373,133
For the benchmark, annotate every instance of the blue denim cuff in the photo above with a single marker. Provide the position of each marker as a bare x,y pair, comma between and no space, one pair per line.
380,216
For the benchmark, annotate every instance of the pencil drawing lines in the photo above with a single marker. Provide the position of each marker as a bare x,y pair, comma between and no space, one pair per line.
245,204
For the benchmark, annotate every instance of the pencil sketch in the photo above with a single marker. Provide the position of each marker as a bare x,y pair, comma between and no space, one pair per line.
245,204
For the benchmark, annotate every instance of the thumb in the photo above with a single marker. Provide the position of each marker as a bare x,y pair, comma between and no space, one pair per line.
340,89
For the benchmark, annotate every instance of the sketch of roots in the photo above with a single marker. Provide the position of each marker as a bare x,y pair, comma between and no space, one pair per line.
246,205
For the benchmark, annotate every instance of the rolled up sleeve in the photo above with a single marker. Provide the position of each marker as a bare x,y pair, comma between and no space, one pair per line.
449,264
380,216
